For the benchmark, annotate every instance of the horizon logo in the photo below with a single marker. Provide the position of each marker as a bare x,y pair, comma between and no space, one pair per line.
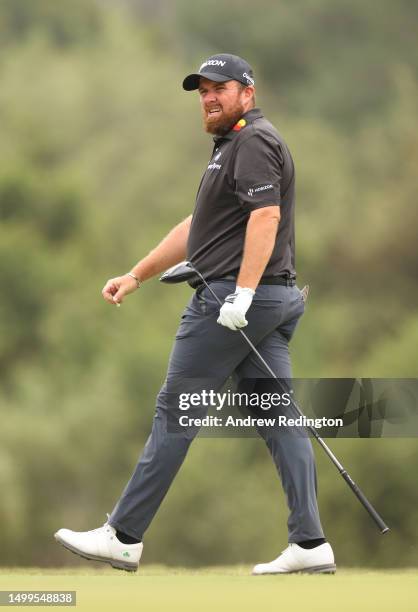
212,63
252,191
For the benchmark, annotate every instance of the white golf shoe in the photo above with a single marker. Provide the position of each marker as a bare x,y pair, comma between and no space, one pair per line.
102,545
295,559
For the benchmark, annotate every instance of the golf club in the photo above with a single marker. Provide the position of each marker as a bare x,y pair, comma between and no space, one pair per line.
186,271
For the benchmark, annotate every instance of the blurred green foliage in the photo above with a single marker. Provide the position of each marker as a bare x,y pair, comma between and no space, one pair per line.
101,153
77,23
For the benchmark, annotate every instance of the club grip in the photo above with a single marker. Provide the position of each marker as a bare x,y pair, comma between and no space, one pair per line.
363,499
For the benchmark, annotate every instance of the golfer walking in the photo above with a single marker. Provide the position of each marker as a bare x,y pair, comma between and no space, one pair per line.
241,239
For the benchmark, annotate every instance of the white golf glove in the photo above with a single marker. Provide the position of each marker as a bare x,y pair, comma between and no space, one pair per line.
233,311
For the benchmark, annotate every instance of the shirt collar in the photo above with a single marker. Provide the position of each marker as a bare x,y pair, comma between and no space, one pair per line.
249,116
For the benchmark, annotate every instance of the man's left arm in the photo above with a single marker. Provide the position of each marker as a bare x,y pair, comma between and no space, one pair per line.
260,237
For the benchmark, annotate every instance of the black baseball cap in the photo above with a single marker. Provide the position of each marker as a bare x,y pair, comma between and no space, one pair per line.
221,67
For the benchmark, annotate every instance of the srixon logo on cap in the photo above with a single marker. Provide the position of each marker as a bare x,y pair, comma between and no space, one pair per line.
212,63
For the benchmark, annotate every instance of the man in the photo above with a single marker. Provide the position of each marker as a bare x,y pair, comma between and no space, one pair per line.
241,239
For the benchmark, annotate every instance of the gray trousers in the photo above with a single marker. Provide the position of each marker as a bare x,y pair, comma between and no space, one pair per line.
206,351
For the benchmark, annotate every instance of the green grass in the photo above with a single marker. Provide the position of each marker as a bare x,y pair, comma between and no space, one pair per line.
157,588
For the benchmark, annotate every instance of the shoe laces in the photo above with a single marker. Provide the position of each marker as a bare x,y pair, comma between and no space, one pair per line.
285,550
106,527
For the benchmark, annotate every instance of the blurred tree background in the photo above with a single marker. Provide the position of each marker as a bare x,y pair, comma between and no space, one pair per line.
101,153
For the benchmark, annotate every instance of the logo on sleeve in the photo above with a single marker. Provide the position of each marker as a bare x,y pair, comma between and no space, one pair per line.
252,191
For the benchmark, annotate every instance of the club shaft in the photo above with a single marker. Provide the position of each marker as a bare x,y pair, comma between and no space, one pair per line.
346,476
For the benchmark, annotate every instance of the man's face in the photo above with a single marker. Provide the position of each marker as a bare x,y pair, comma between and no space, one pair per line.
223,104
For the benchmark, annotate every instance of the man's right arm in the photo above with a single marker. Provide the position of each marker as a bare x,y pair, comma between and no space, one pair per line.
169,252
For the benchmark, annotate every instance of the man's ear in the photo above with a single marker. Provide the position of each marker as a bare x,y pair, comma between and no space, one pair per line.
249,92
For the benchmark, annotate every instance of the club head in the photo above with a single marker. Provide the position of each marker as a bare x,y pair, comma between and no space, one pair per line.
179,273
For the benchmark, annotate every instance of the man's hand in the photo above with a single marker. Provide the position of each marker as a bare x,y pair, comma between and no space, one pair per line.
116,288
233,311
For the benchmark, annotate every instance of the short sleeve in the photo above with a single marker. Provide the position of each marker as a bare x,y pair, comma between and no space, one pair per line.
257,172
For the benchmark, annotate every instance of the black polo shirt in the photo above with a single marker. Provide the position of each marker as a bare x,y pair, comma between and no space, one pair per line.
251,167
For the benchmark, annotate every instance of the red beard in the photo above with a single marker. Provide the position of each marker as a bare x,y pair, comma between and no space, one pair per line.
221,124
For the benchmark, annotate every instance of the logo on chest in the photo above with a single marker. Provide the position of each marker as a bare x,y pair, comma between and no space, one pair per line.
214,165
